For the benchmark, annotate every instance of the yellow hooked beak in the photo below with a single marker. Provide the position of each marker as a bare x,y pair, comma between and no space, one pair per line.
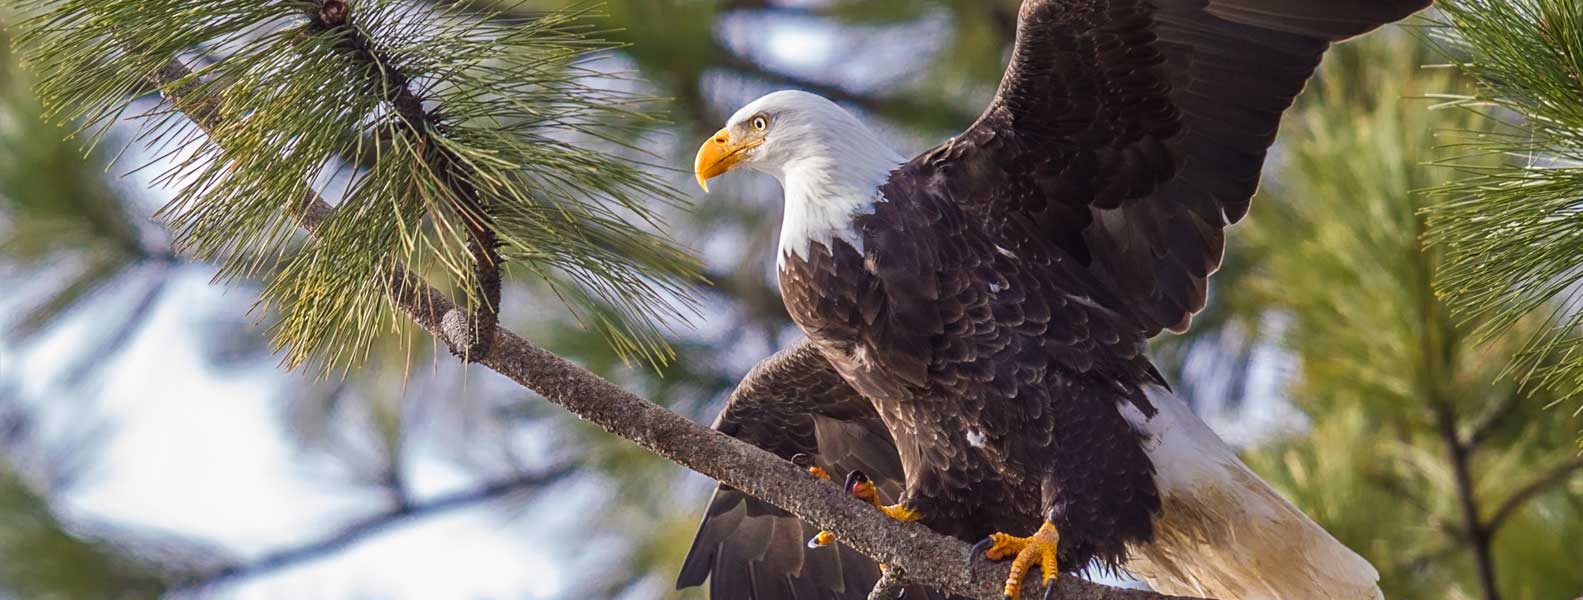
719,155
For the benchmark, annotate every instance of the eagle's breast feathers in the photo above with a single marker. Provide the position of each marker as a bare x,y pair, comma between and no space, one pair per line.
957,334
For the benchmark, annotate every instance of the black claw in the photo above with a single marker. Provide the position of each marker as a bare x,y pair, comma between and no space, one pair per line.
1005,598
1049,590
854,478
802,460
977,553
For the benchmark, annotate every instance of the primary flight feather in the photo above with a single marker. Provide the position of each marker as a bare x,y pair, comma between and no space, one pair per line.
976,316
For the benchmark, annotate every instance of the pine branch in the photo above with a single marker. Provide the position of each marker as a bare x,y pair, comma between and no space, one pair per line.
336,94
931,559
1509,226
483,245
1479,537
1546,481
1493,416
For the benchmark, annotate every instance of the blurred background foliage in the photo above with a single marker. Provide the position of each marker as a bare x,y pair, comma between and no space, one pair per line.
1325,352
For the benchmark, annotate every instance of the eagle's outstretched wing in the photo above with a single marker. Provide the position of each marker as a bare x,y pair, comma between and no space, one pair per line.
793,402
1130,133
1127,134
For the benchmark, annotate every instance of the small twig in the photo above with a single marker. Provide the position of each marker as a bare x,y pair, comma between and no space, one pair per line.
370,526
1545,481
1493,415
1400,490
893,106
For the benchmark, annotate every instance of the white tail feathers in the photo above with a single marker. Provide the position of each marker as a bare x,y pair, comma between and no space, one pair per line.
1224,533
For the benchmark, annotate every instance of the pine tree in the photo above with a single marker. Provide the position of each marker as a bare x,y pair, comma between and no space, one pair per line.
1510,230
512,112
1451,480
451,140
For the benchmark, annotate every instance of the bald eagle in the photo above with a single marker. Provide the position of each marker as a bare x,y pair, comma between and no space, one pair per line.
975,317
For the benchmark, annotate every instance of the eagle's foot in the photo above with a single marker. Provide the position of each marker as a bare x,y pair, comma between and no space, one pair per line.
858,484
823,538
806,462
860,487
1038,549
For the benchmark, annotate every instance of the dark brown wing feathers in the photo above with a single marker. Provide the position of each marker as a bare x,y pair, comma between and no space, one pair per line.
792,402
1331,20
1132,133
1126,135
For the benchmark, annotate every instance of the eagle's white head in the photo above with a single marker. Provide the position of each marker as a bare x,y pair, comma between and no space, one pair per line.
829,163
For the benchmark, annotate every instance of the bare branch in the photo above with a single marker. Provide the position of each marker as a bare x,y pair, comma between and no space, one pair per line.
1545,481
898,107
1478,536
929,558
373,525
1493,416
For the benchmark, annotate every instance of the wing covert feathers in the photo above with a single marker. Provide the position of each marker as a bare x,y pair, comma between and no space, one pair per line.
1131,133
746,549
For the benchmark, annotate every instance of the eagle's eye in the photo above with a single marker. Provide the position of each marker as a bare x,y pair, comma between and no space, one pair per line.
759,123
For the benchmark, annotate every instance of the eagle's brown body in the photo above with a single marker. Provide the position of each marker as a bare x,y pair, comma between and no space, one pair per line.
976,316
1000,387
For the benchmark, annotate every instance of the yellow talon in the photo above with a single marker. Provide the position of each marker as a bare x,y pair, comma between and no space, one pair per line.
863,489
860,487
1004,545
806,461
823,538
900,512
1038,549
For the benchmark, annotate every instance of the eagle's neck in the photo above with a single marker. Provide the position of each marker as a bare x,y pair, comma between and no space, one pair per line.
830,184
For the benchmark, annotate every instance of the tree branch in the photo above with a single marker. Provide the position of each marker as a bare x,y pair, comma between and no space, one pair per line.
422,126
1492,417
938,115
1477,534
1555,476
894,107
929,558
373,525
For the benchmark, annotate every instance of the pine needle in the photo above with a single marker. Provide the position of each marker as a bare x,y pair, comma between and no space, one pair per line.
400,112
1513,231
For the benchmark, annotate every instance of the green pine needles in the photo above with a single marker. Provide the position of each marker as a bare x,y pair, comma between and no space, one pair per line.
448,137
1513,230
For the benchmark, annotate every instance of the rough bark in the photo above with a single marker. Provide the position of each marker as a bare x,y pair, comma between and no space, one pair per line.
927,557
